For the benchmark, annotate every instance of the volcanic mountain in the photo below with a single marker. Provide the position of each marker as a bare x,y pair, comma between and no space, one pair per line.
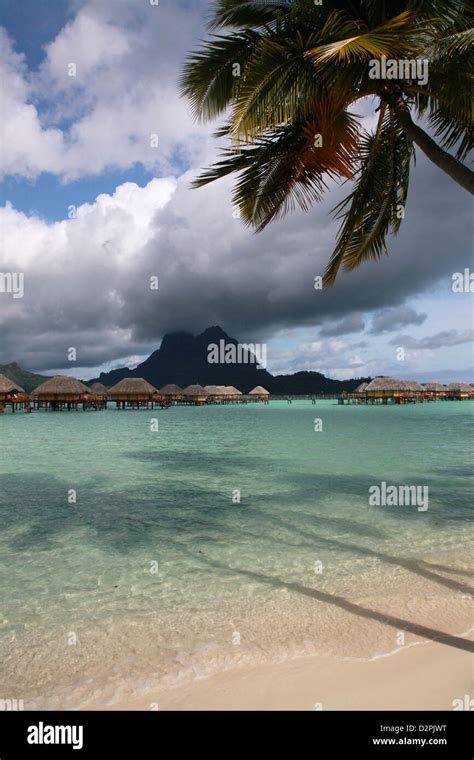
183,359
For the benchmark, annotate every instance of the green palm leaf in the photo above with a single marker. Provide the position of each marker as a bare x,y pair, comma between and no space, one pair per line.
375,206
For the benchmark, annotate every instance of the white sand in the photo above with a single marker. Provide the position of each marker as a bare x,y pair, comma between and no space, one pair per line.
423,677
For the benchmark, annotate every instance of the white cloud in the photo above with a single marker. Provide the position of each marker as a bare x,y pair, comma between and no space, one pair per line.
124,93
26,148
88,43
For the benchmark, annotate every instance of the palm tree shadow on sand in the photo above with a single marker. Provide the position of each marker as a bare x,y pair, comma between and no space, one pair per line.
354,609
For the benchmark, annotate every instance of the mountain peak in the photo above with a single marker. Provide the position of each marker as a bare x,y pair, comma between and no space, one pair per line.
213,334
183,359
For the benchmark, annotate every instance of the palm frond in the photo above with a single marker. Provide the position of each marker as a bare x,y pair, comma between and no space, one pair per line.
374,207
209,79
245,13
447,98
454,45
289,167
279,86
396,38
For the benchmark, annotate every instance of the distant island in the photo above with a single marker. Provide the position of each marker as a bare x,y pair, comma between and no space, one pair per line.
183,359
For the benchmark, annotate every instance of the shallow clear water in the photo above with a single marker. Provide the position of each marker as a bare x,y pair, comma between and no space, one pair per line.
84,607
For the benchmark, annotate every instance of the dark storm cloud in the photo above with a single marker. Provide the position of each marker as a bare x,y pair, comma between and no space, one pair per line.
350,324
393,319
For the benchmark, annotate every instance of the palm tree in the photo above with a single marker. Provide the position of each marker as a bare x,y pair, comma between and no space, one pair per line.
288,76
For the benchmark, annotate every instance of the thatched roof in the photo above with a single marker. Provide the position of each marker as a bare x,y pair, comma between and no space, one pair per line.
228,390
132,385
7,385
259,391
195,390
460,387
171,390
384,384
434,387
361,388
412,385
390,384
232,391
61,385
214,390
99,390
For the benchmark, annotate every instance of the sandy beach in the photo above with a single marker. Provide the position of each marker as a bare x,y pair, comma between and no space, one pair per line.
421,677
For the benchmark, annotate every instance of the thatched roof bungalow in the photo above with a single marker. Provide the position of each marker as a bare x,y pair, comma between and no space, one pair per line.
361,388
98,389
260,392
9,387
132,386
60,391
11,393
135,392
459,391
214,391
196,394
232,391
172,392
435,390
411,386
60,387
385,388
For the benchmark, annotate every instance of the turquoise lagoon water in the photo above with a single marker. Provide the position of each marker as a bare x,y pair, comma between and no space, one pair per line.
158,574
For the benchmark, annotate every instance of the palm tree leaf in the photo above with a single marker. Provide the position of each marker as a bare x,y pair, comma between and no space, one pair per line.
448,95
288,166
396,38
296,173
209,78
374,207
245,13
279,85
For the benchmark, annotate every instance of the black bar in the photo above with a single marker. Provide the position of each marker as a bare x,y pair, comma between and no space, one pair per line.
155,734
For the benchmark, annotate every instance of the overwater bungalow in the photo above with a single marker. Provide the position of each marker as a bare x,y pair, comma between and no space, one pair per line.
135,393
414,391
172,393
459,391
196,394
388,389
219,394
361,388
61,392
99,390
232,392
259,393
99,395
215,393
435,390
11,394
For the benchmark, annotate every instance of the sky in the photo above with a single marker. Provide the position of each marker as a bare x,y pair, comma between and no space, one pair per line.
97,153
